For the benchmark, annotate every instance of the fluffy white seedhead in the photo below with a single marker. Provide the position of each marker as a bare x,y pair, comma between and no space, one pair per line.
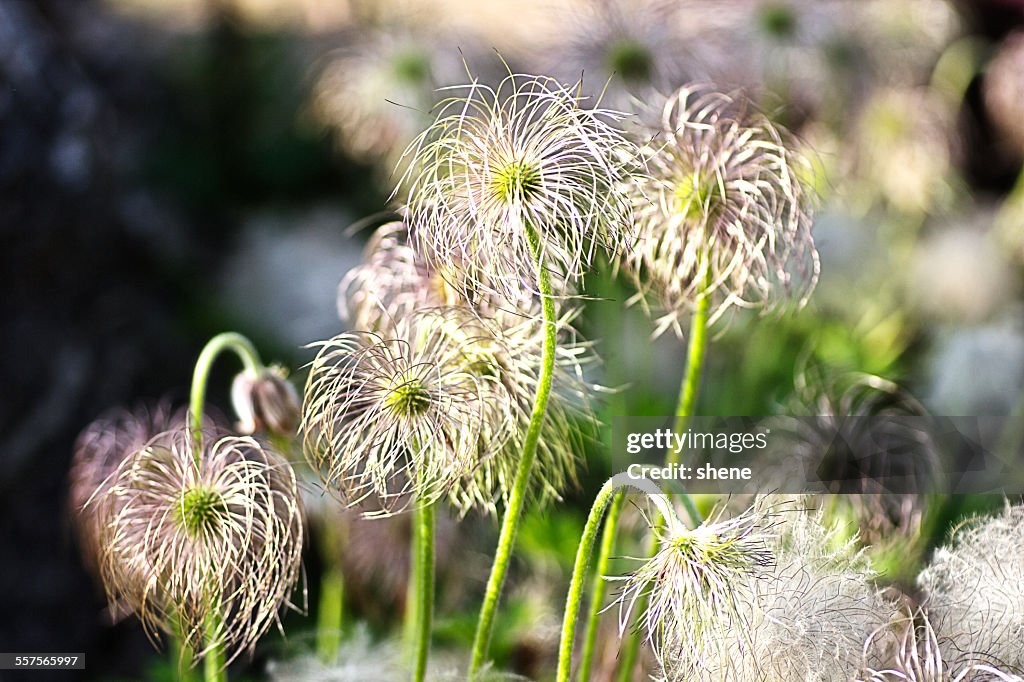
974,593
919,659
697,583
204,545
508,348
724,212
509,177
802,612
502,340
395,421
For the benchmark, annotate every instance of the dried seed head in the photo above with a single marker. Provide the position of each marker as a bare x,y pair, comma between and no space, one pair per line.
919,659
204,545
802,612
696,581
505,172
974,593
724,213
397,421
266,401
507,348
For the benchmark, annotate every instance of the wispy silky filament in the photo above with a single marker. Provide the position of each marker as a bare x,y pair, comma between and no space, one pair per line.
390,422
974,593
919,659
205,545
761,597
501,167
724,211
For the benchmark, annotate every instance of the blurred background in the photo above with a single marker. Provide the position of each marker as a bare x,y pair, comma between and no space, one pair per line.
170,170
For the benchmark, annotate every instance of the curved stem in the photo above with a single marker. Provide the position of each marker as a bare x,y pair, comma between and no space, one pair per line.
579,574
510,524
425,588
232,341
598,584
685,406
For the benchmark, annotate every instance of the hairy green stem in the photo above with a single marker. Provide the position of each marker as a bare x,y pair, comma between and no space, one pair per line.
331,612
597,585
685,406
579,574
510,524
236,343
424,589
214,667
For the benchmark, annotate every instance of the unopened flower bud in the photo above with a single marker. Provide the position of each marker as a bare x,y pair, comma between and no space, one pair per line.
265,401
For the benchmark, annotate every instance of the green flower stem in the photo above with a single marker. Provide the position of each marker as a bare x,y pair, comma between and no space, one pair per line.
236,343
510,524
597,585
684,411
412,602
579,574
425,588
214,667
331,612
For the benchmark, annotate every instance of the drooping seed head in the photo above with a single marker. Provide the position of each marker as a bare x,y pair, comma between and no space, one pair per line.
204,545
724,212
508,175
395,421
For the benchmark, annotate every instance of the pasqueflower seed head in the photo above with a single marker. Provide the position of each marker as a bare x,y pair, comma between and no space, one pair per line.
511,176
390,421
723,212
974,593
205,544
919,659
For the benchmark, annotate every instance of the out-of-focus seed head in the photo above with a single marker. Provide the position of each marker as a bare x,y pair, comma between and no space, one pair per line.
974,593
919,659
395,421
98,451
871,442
192,538
724,212
266,401
1004,91
507,173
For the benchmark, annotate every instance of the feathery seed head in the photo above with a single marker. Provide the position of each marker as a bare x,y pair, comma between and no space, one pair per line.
802,611
193,538
401,419
508,175
695,580
919,659
725,211
974,593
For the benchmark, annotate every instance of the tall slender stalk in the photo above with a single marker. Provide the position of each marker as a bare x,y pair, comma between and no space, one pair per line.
214,667
597,585
510,524
424,589
579,572
331,611
685,406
